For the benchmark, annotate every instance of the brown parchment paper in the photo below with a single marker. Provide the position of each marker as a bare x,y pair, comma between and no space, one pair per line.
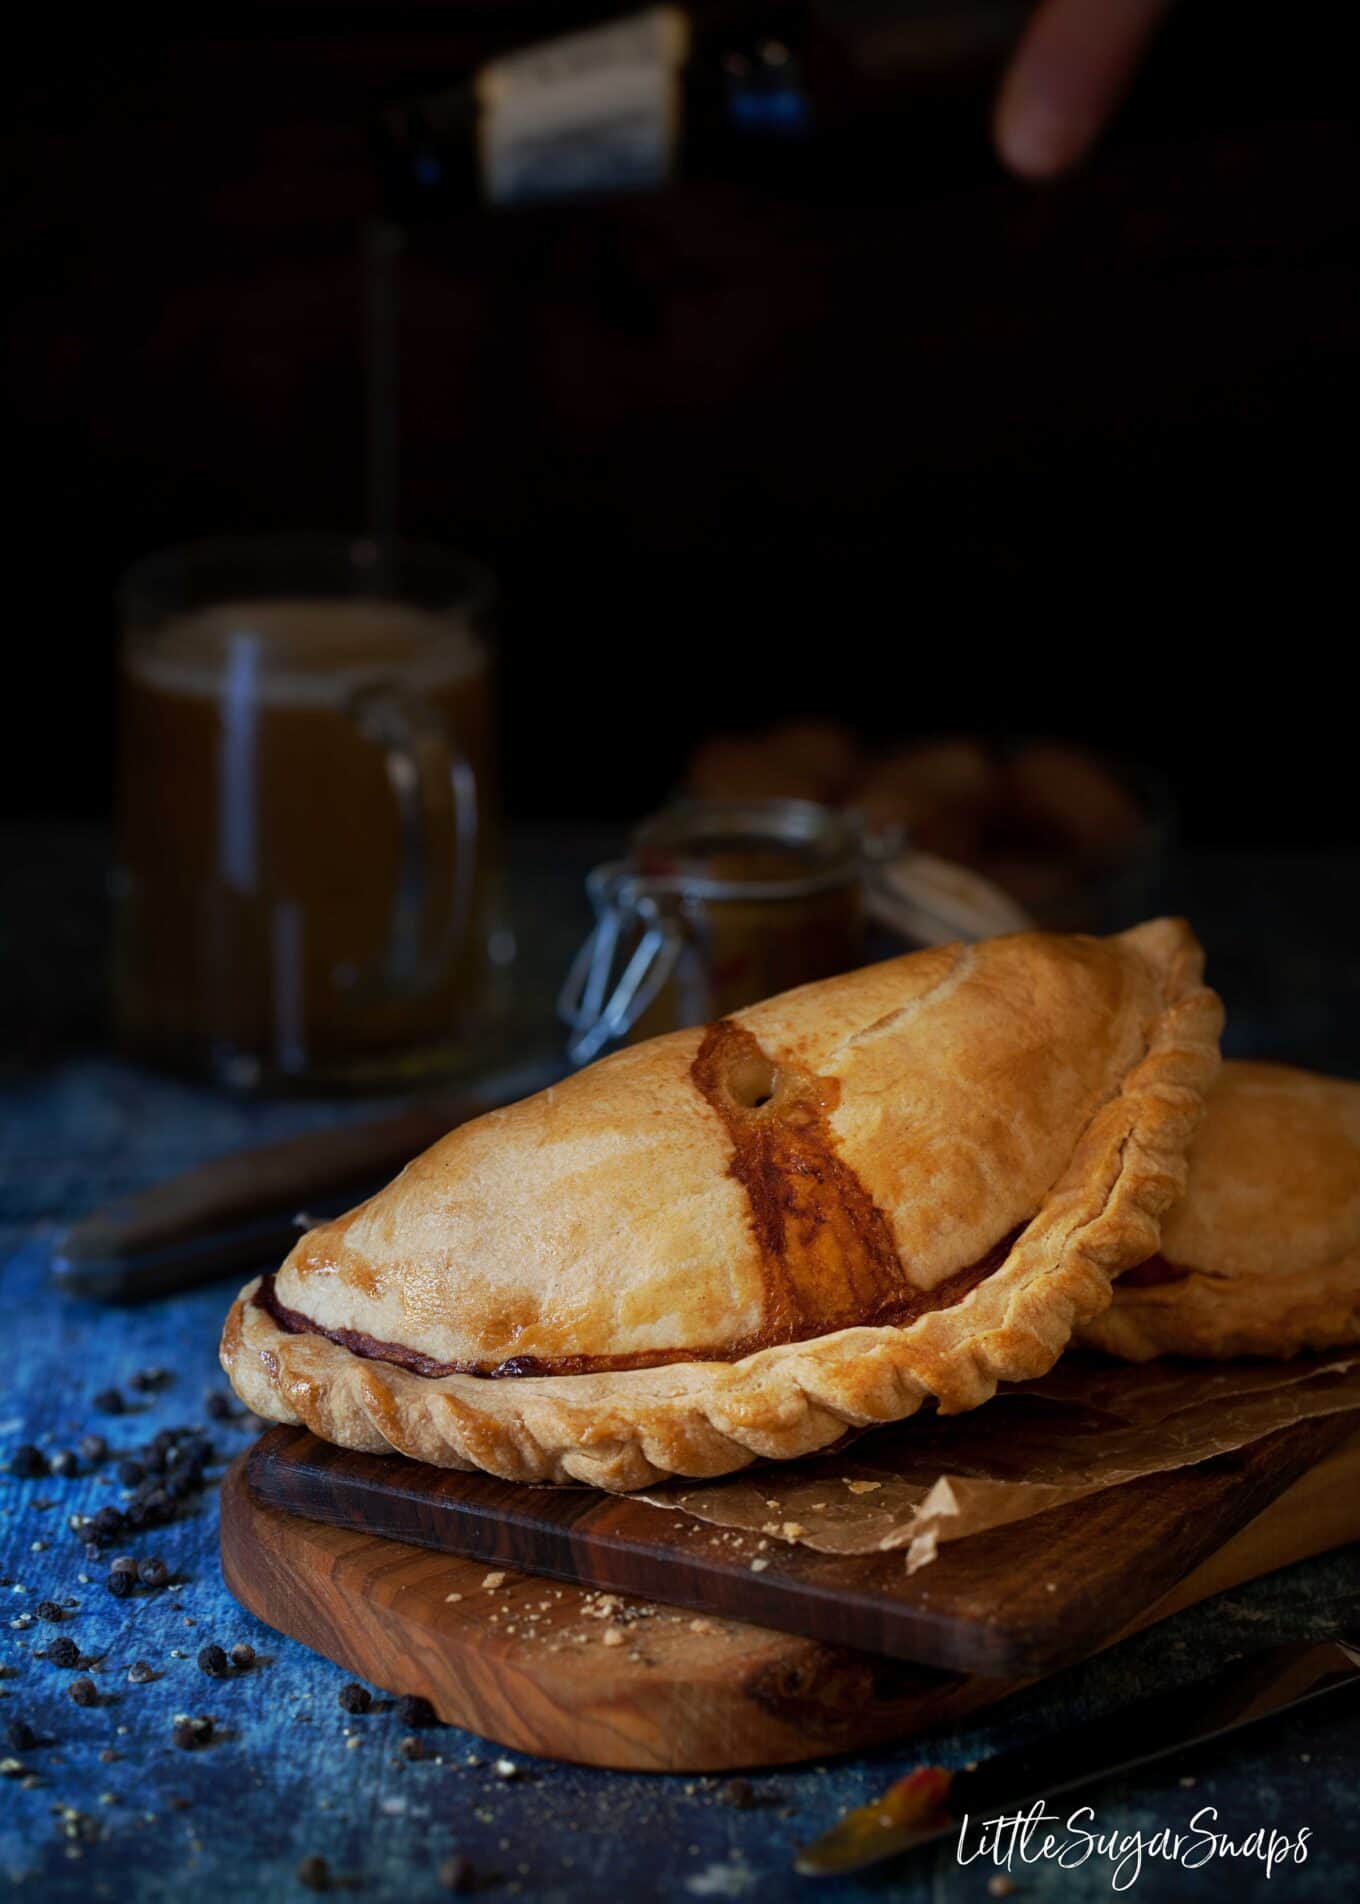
1088,1425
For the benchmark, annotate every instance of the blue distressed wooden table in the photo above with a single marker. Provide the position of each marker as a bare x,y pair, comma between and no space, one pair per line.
106,1804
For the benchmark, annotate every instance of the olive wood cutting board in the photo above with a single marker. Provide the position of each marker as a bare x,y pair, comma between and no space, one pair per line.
567,1672
1015,1601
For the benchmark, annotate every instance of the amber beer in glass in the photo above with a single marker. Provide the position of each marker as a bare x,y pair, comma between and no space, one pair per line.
307,888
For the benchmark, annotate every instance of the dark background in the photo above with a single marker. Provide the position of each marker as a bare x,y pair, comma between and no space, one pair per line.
918,445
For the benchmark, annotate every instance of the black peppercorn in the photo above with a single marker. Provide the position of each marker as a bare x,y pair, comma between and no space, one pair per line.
93,1447
109,1401
64,1463
153,1571
63,1652
20,1736
411,1748
243,1654
125,1563
141,1672
157,1508
27,1462
49,1610
147,1379
456,1873
412,1710
84,1692
131,1473
216,1405
355,1698
120,1585
315,1874
189,1733
213,1661
107,1521
739,1793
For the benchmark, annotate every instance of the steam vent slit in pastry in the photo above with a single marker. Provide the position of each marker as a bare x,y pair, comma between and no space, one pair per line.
882,1191
1262,1255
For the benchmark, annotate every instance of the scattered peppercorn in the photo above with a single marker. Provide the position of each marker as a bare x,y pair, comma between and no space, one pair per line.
49,1610
243,1654
108,1522
84,1692
64,1463
355,1698
125,1563
120,1585
63,1652
189,1733
141,1673
147,1379
411,1748
213,1661
131,1473
315,1873
456,1873
27,1462
109,1401
216,1405
20,1735
412,1710
739,1793
153,1571
93,1448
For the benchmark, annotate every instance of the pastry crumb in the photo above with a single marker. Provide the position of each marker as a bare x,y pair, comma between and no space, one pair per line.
862,1487
759,1566
492,1581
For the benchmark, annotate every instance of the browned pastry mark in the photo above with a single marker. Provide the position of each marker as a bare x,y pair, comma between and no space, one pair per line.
827,1252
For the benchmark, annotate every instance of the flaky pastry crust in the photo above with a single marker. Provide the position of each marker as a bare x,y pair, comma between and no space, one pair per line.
750,1207
1262,1255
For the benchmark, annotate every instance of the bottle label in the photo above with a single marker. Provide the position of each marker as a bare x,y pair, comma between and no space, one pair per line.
597,111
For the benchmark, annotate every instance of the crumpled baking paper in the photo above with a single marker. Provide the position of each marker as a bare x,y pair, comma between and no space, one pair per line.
1089,1424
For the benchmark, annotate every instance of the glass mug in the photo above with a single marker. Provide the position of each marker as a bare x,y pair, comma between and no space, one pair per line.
307,888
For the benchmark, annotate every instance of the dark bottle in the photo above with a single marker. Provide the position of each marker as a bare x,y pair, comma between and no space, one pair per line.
635,103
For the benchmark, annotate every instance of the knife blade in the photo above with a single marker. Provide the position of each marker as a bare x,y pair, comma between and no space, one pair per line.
240,1211
931,1802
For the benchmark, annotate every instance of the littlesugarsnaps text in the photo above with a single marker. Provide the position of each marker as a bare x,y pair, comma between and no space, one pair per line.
1013,1840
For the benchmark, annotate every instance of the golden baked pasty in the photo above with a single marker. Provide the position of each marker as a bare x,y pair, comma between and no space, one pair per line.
1262,1255
911,1182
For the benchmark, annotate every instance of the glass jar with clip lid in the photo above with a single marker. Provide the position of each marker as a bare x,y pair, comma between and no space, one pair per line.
723,902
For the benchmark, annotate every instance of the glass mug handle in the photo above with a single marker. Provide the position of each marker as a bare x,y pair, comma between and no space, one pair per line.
425,771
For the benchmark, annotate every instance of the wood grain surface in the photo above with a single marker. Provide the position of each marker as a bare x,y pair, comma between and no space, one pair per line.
1015,1602
571,1672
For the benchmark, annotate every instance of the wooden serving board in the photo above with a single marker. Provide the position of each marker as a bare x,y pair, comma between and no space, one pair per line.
1012,1603
527,1662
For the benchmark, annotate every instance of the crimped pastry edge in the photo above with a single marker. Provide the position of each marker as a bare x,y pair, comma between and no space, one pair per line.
1214,1318
629,1429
